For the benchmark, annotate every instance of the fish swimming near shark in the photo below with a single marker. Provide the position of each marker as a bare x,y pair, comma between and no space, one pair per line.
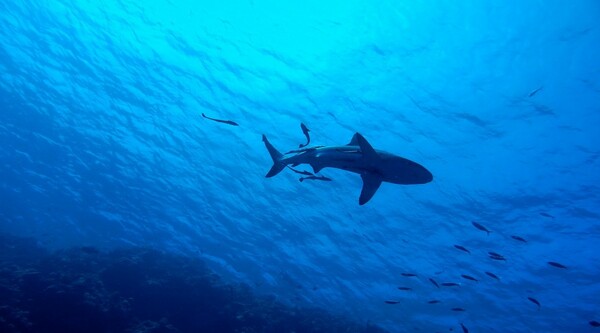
358,156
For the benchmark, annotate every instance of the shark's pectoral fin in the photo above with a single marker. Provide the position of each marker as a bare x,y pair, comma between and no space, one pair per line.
316,167
371,183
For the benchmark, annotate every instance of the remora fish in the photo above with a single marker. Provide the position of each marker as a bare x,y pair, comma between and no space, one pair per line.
327,179
464,328
358,156
305,130
228,122
492,275
409,274
520,239
469,277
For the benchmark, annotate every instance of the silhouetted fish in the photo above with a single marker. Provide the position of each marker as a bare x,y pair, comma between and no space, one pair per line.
462,248
492,275
531,94
391,301
556,264
434,283
433,301
450,284
404,288
305,130
458,309
496,256
301,172
594,323
520,239
480,227
468,277
534,301
327,179
409,274
464,328
228,122
546,215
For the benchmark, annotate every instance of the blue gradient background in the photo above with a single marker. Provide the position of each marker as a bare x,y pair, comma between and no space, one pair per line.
102,143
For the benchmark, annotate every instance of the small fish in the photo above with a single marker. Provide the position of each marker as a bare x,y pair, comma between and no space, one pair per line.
450,284
305,130
556,264
409,274
497,257
594,323
468,277
404,288
520,239
531,94
546,215
480,227
228,122
301,172
464,328
534,301
458,309
433,301
392,301
327,179
492,275
434,283
462,248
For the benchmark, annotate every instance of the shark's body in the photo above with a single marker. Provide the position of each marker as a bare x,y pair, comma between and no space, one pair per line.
358,156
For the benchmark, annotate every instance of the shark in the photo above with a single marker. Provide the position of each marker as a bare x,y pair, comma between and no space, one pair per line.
358,156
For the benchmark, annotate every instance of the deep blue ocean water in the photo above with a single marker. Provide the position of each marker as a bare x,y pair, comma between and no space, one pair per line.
102,144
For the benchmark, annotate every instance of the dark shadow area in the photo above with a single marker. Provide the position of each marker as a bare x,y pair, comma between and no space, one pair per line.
137,290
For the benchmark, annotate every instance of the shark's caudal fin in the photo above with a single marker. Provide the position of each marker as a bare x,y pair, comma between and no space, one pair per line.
276,156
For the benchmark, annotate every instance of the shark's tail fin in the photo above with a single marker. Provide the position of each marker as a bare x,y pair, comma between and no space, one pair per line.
276,156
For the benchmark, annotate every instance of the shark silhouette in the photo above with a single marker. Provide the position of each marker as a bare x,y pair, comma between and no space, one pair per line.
358,156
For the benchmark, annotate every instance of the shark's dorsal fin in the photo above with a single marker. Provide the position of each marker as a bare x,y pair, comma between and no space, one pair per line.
371,183
365,148
354,140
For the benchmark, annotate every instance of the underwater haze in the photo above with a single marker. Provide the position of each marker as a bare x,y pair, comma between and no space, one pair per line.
103,147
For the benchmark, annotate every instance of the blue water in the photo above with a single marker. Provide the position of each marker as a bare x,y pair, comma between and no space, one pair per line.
103,144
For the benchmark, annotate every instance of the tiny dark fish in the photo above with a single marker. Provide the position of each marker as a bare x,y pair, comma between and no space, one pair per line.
546,215
409,274
497,257
594,323
462,248
494,254
480,227
534,301
531,94
450,284
464,328
520,239
468,277
404,288
301,172
228,122
434,283
305,130
391,301
433,301
492,275
556,264
458,309
323,178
